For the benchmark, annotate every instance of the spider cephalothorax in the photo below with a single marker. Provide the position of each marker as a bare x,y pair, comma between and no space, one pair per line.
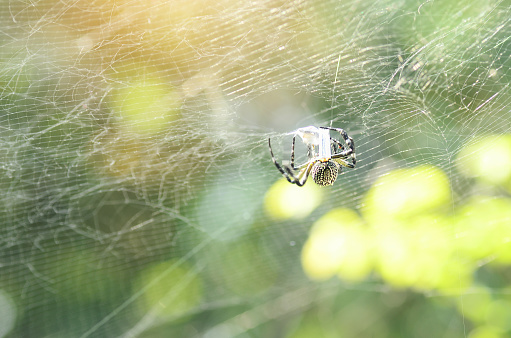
326,155
325,173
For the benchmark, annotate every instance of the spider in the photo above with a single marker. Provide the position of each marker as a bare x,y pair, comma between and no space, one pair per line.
326,156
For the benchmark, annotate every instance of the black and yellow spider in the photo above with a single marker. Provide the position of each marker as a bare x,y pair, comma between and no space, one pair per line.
326,156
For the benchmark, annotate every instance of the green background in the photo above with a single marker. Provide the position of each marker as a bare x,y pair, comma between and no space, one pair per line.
139,198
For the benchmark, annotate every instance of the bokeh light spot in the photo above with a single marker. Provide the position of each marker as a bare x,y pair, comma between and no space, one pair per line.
406,192
338,244
288,201
488,159
146,105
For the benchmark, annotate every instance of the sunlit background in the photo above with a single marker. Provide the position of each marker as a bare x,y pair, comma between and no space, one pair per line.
138,197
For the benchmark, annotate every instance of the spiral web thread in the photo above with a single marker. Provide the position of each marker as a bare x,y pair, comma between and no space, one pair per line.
95,192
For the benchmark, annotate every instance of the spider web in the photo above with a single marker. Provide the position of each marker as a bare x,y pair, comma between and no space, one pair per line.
136,173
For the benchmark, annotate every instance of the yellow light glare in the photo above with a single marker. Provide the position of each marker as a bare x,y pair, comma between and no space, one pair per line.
145,105
337,217
392,253
407,192
337,245
488,159
486,331
485,229
323,254
416,254
288,201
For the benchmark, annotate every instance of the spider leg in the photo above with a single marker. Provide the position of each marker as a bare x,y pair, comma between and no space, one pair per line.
349,142
288,174
341,161
303,175
334,142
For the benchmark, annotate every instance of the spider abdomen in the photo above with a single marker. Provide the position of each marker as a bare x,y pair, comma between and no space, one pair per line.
324,173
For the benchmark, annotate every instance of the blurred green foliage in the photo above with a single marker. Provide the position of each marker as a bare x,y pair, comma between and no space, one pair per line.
139,198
